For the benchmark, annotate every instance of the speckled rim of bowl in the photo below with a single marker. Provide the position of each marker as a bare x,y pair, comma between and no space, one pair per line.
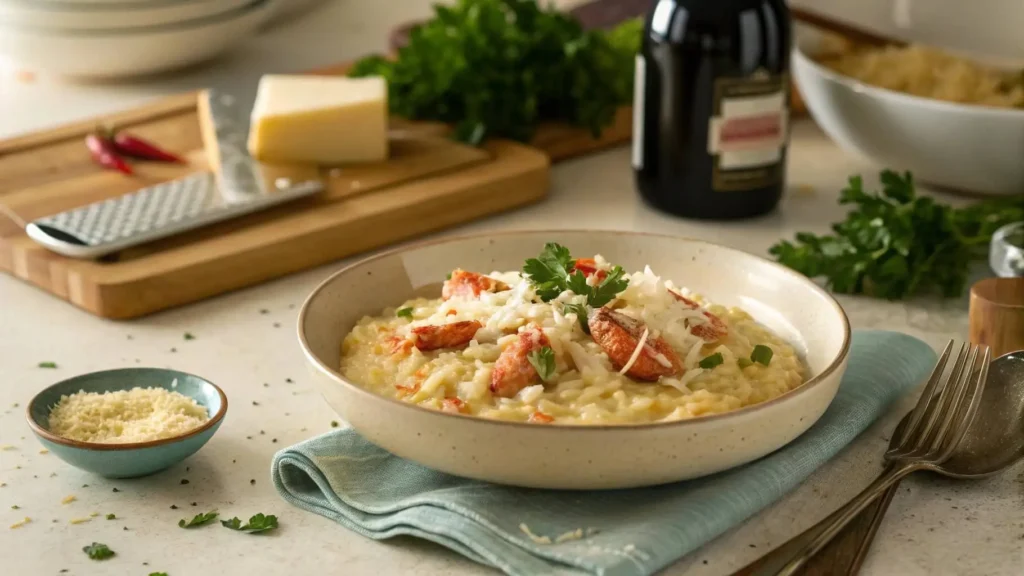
97,6
802,388
236,13
101,446
902,97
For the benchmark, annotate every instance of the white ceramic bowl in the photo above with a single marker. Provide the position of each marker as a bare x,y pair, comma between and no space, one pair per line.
114,53
48,17
974,149
580,457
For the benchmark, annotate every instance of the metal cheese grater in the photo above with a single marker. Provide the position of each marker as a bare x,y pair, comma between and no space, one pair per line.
178,205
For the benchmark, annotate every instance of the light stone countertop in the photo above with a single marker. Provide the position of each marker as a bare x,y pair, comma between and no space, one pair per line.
934,527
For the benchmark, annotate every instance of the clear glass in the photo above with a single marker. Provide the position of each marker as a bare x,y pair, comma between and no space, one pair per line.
1006,253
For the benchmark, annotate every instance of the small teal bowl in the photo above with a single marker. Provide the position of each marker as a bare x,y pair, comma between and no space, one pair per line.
136,459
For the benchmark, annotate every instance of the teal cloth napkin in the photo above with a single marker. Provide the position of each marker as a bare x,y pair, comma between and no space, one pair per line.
629,532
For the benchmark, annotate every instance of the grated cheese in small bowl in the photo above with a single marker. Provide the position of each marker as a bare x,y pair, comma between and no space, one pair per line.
126,416
127,422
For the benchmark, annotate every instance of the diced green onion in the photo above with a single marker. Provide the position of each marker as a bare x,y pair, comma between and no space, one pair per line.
744,362
711,361
404,313
761,354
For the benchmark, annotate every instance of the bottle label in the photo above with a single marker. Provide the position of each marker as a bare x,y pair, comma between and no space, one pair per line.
748,131
639,79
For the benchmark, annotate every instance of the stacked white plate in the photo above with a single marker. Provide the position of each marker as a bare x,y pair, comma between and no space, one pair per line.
117,38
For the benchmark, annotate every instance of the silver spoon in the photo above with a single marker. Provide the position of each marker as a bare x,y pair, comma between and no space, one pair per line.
994,442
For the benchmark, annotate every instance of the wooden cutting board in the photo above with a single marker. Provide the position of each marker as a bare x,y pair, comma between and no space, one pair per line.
432,184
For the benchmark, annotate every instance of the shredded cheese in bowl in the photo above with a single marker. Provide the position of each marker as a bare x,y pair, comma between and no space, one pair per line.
126,416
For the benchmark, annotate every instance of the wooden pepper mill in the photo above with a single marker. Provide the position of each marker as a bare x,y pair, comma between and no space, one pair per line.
997,314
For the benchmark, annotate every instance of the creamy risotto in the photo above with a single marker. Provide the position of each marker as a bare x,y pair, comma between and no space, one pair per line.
931,73
572,341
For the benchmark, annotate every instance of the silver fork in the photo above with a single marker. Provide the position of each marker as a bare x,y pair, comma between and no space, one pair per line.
933,430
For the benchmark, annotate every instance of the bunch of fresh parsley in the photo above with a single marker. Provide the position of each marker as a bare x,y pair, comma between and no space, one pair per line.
499,67
896,244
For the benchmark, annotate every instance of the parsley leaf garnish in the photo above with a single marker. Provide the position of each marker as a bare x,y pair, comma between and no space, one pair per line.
605,292
158,574
578,283
197,520
47,364
543,361
711,361
189,336
404,313
549,274
761,354
582,315
111,517
549,271
97,551
896,244
257,523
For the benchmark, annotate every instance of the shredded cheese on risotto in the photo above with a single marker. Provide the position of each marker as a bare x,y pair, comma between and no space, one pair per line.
636,356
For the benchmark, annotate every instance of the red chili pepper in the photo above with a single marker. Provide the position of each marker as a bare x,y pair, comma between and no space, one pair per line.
104,153
138,148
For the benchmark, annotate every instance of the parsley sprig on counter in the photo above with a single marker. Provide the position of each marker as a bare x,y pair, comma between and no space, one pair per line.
257,523
896,244
552,273
197,520
98,551
499,67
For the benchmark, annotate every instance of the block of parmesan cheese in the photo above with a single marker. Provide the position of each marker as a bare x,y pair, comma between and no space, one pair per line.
319,120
